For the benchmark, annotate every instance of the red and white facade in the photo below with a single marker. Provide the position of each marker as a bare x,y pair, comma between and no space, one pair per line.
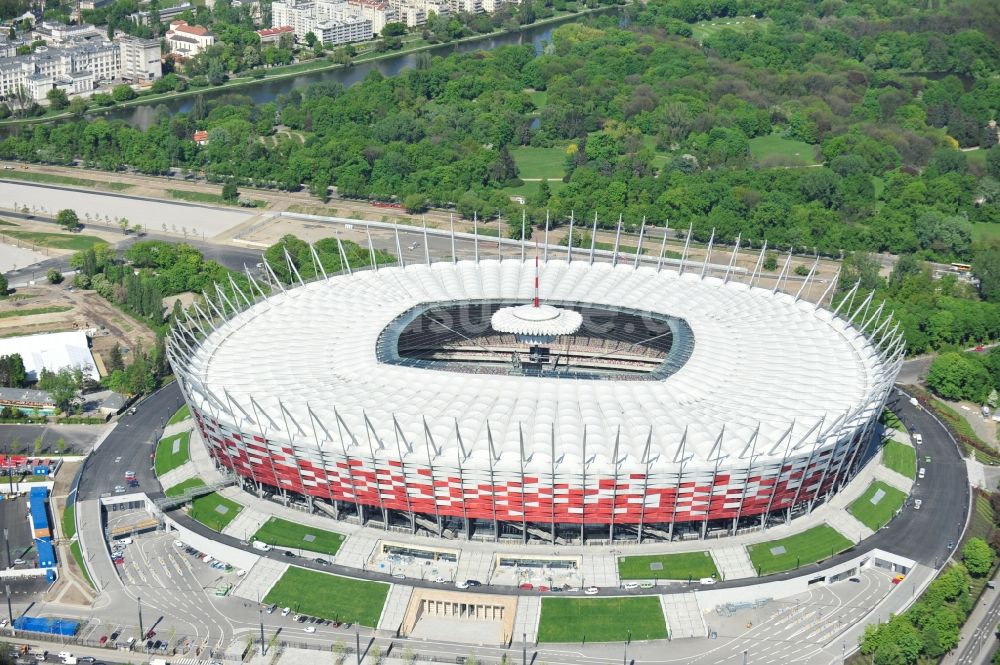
773,410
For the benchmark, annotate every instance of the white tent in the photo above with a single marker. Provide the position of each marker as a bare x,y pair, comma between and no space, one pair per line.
52,351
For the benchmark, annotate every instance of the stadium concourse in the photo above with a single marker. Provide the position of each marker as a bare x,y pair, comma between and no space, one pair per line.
634,404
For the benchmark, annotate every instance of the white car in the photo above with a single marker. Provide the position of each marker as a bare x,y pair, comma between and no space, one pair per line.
285,612
461,585
628,586
65,654
123,541
178,543
918,438
310,629
3,623
706,581
119,489
592,591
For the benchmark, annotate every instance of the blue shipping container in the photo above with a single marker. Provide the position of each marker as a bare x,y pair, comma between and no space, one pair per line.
39,515
46,553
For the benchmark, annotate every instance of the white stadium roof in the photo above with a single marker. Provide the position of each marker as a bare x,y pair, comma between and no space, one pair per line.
760,360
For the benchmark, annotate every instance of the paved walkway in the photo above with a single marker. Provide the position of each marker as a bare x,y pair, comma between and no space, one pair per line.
733,562
394,610
684,615
258,581
247,522
529,611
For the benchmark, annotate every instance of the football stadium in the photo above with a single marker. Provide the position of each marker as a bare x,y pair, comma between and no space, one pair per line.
555,400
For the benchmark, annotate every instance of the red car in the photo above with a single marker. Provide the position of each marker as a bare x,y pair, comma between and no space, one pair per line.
104,638
527,586
543,589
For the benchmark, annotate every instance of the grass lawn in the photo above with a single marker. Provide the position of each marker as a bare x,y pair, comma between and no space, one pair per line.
877,515
977,156
890,419
329,596
540,162
209,511
34,310
816,544
207,197
72,241
774,150
52,179
180,488
74,548
539,97
985,231
531,188
182,413
601,619
166,458
283,533
901,458
704,29
680,566
69,521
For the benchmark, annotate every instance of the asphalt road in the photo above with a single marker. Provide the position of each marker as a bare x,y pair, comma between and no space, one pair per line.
984,634
131,444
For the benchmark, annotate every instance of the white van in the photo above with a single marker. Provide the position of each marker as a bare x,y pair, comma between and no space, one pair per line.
157,661
923,472
123,541
262,546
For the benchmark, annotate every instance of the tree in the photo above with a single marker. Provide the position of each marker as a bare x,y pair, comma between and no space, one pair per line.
230,192
38,446
62,386
770,262
115,360
58,99
67,218
54,276
394,29
977,557
956,376
123,93
311,39
986,266
12,372
123,225
4,288
415,203
60,445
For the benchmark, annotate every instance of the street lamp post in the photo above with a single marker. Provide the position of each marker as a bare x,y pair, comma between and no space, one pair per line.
625,651
524,649
746,656
357,640
10,611
142,633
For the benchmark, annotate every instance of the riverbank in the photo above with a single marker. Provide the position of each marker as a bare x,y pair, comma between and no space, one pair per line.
303,68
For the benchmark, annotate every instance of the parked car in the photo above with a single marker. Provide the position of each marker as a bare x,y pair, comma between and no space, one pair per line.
706,581
628,586
592,591
310,629
286,611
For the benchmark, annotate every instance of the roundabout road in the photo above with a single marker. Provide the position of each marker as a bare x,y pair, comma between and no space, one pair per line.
922,535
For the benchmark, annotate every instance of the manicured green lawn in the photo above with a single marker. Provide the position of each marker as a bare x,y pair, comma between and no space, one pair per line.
207,197
890,419
77,553
781,151
53,179
601,619
540,162
56,240
816,544
69,522
680,566
283,533
166,458
180,488
539,97
876,515
182,413
329,596
207,510
901,458
985,231
704,29
531,188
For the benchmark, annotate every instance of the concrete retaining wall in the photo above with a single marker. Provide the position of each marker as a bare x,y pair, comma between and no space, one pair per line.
221,551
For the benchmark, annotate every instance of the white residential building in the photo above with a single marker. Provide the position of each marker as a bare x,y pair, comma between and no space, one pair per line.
188,40
140,58
379,13
415,12
55,33
331,22
76,68
467,6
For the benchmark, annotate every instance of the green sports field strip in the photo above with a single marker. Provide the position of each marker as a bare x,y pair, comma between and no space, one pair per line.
329,596
601,619
876,515
679,566
901,458
283,533
181,488
816,544
171,452
214,511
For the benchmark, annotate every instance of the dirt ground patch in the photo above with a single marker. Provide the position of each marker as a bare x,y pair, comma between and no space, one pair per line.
77,310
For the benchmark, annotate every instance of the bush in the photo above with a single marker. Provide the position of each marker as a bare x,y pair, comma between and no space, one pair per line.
54,276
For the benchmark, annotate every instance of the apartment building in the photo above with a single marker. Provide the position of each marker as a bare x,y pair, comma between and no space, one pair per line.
140,58
187,40
335,22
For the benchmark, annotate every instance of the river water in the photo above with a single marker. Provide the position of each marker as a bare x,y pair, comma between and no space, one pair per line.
264,91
